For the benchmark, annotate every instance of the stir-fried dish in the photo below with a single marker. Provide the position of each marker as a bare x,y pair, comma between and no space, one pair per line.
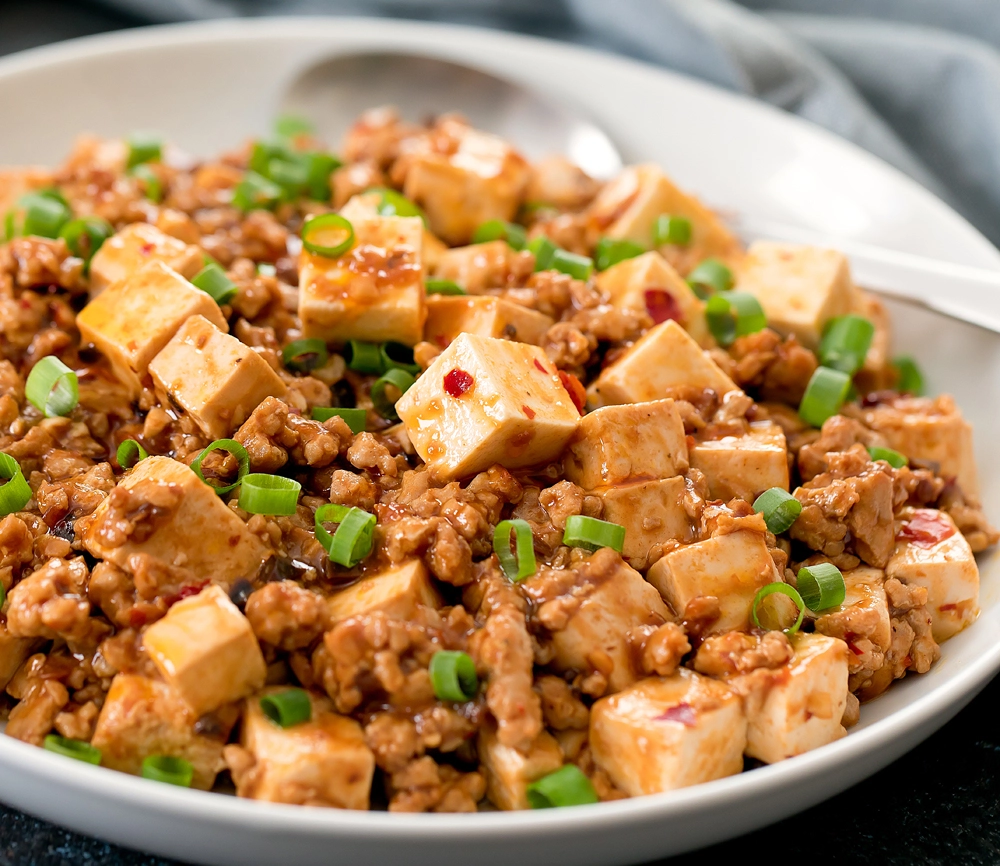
424,477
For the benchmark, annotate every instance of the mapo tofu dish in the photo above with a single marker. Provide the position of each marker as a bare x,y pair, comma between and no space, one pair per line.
415,475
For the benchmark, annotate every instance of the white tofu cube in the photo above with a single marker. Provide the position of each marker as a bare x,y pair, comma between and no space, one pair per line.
669,732
879,352
659,363
478,267
865,605
932,553
449,316
199,533
204,647
485,401
730,567
365,206
373,292
217,379
143,717
322,762
132,321
124,253
629,442
509,772
744,466
651,512
397,592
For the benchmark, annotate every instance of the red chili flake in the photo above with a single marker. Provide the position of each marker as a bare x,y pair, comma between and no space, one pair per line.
527,410
146,249
926,528
457,382
186,592
538,364
854,648
575,388
661,306
683,713
948,607
137,618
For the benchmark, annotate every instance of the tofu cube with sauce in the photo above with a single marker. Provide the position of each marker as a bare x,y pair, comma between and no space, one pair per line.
322,762
485,401
217,379
205,648
664,733
651,512
132,321
142,717
932,553
744,466
125,253
509,772
199,533
865,607
665,360
365,205
449,316
396,592
477,267
730,567
628,442
373,292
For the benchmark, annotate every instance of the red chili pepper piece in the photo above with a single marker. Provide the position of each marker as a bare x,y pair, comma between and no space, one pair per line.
575,388
538,364
661,306
683,713
926,528
457,382
529,412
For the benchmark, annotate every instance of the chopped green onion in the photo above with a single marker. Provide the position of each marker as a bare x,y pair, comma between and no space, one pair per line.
845,343
825,394
256,191
292,125
578,267
567,786
52,387
674,230
212,280
76,749
544,251
398,356
168,769
443,287
291,176
269,494
234,448
356,419
363,357
783,589
319,167
353,538
893,458
129,453
713,275
398,379
152,186
15,493
779,507
733,315
500,230
453,676
85,235
43,217
305,355
264,152
911,380
821,586
144,147
53,193
516,567
287,708
611,251
393,203
592,534
317,231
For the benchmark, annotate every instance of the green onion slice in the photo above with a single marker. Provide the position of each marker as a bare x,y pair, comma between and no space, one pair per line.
52,387
261,493
443,287
453,676
783,589
44,215
398,379
845,343
733,315
76,749
353,538
779,507
255,191
825,394
398,356
305,355
287,708
291,176
319,167
131,452
893,458
329,235
593,534
85,235
669,229
712,274
168,769
544,251
356,419
501,230
292,125
15,492
234,448
151,184
363,357
144,147
911,380
822,586
578,267
567,786
611,251
212,280
522,564
393,203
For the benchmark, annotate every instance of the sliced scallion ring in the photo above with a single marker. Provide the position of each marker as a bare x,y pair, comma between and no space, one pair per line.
319,167
287,708
261,493
567,786
517,566
611,251
152,186
15,492
256,192
85,235
821,586
393,203
453,676
356,419
129,453
363,357
593,534
675,230
293,125
779,507
732,315
353,538
291,175
825,394
544,251
911,380
398,379
52,387
43,216
578,267
305,354
443,287
893,458
845,343
783,589
168,769
76,749
713,274
144,147
234,448
212,280
398,356
329,235
497,230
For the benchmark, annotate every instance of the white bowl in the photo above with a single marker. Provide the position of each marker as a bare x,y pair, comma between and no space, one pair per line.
209,85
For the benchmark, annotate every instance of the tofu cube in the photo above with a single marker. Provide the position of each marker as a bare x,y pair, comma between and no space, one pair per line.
143,717
670,732
663,361
862,618
322,762
509,772
800,288
217,379
365,205
373,292
648,284
199,533
396,592
932,553
485,401
730,567
204,647
629,442
478,267
125,253
132,321
651,512
879,352
449,316
744,466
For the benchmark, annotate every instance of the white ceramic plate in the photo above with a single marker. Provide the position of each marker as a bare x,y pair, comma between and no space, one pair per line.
209,85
